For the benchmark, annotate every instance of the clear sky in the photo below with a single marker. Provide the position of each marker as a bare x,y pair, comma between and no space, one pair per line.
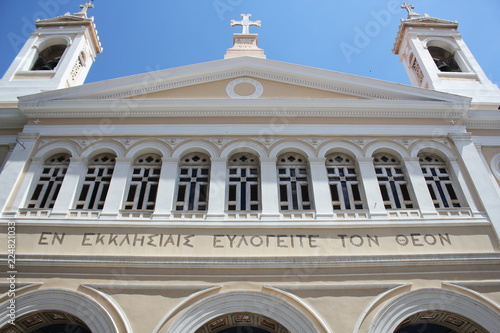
144,35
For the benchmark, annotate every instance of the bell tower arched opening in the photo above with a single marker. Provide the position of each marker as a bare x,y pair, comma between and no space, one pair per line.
444,59
48,58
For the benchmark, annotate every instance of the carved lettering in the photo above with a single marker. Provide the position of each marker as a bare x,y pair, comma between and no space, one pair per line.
248,241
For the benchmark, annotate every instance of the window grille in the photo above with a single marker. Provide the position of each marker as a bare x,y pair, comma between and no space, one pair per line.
392,182
193,182
144,183
343,182
439,182
293,181
96,184
47,188
243,183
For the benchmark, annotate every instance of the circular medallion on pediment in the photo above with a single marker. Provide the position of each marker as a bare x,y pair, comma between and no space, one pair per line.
244,88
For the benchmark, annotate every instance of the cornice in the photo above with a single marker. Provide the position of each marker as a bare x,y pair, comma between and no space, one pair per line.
248,108
481,124
12,124
260,262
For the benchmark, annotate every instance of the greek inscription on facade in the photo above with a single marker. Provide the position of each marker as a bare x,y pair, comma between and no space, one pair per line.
279,241
412,239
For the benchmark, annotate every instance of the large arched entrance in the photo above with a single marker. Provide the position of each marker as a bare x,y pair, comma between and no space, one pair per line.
50,308
438,322
433,310
46,322
242,323
241,312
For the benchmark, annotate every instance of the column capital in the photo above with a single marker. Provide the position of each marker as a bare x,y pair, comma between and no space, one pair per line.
411,160
460,137
170,159
268,159
78,160
123,160
364,160
218,159
317,160
28,136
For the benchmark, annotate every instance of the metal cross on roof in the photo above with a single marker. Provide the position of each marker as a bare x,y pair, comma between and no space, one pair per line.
245,23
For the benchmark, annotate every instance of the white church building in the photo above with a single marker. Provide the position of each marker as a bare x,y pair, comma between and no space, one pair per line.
247,194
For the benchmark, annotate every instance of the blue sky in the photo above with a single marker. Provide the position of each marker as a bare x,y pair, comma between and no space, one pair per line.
142,36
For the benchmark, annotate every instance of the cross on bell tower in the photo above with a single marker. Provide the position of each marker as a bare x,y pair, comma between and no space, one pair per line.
245,43
85,7
409,8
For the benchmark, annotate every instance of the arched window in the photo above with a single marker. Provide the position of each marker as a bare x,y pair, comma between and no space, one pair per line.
293,182
144,183
49,57
439,182
243,183
444,59
193,182
48,185
96,183
343,182
392,182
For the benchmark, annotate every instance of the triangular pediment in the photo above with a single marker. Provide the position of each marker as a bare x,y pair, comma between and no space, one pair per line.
240,85
63,19
245,87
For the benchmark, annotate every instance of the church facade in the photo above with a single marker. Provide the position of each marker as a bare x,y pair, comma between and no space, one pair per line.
247,194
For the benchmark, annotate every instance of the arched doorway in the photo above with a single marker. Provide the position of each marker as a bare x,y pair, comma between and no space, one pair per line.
437,308
241,309
242,323
46,322
438,322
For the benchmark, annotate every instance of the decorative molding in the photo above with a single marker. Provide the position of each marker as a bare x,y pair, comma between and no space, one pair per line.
244,107
262,262
361,142
405,142
259,89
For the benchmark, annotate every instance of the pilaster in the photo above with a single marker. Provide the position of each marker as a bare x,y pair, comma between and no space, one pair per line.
321,190
479,175
217,190
117,188
269,185
464,187
371,188
66,196
166,188
419,186
15,168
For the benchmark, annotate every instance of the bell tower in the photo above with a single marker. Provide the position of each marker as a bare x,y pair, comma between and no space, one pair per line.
436,57
58,54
